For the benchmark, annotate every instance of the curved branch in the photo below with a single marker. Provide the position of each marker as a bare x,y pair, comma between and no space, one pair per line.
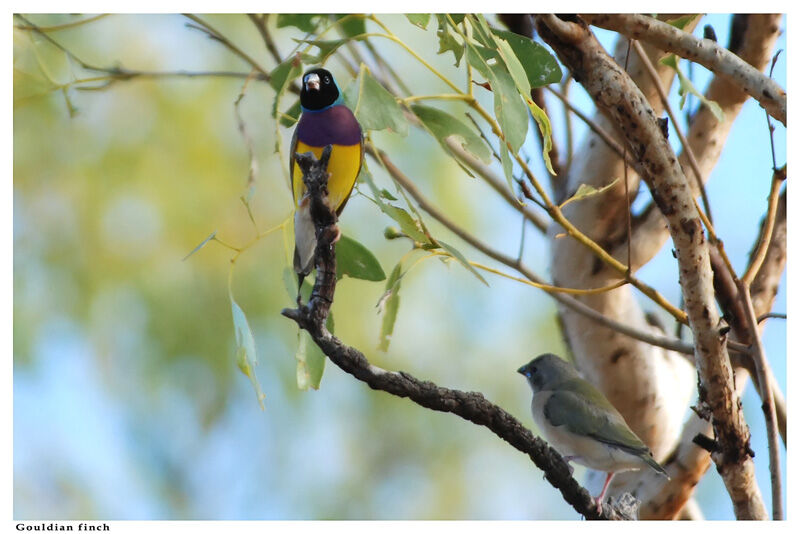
472,406
706,52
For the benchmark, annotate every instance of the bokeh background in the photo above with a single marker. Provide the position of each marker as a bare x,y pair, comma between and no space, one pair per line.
128,403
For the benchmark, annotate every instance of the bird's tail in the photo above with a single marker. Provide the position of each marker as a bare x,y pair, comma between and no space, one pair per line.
649,460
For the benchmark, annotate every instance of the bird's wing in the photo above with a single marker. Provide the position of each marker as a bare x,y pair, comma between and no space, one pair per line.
292,150
588,413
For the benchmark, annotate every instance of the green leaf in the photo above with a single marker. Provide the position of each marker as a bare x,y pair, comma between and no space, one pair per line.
447,41
508,166
280,78
515,68
326,48
201,245
509,109
303,21
389,304
586,191
686,87
419,19
443,125
454,252
374,106
681,22
411,227
540,66
356,261
387,195
310,362
353,26
290,117
246,349
543,121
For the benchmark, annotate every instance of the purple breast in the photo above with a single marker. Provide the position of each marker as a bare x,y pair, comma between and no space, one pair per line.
334,126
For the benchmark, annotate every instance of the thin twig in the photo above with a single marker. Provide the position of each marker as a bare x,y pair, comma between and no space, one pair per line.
778,178
768,406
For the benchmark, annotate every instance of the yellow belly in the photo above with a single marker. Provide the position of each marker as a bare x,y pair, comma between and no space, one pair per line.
343,167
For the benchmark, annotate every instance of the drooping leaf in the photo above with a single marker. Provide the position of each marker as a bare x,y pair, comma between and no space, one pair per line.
540,66
546,129
509,108
326,48
290,117
356,261
306,22
443,125
246,357
419,19
354,25
374,106
686,87
508,166
455,253
389,304
411,227
310,359
280,78
447,41
515,68
586,191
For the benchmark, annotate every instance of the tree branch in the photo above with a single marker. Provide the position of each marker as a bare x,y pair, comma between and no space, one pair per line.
703,51
471,406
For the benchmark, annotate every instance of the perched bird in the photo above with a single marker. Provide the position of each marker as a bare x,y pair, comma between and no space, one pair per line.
580,423
325,120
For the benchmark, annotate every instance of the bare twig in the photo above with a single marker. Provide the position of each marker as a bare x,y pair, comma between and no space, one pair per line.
703,51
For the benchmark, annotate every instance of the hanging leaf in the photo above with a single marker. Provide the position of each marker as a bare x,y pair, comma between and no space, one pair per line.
374,106
326,48
411,227
455,253
540,66
310,362
354,25
246,349
443,125
389,304
543,121
356,261
290,117
509,109
447,41
686,87
303,21
419,19
586,191
508,166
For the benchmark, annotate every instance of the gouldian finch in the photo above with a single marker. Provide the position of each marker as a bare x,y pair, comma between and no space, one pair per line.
325,120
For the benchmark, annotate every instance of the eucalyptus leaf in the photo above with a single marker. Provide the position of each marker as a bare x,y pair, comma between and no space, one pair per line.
290,117
459,257
686,87
443,125
586,191
389,304
326,48
541,67
419,19
682,22
509,108
246,357
374,106
411,227
508,166
201,245
354,25
303,21
356,261
447,41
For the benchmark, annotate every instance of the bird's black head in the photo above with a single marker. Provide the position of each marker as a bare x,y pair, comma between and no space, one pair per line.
319,90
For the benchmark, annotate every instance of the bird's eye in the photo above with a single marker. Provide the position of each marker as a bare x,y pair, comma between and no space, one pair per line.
326,79
533,370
